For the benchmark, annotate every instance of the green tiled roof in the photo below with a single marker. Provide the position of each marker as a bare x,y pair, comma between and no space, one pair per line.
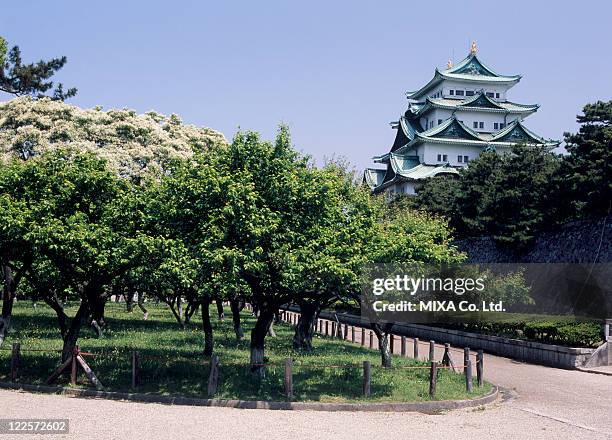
373,177
406,168
472,66
470,69
517,132
401,163
478,102
452,131
452,128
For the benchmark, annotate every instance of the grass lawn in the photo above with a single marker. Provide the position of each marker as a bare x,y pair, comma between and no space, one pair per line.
172,360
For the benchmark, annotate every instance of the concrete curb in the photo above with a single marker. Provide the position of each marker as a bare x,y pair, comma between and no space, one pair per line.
425,407
588,370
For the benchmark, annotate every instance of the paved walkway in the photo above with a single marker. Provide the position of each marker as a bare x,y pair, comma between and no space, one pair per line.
542,403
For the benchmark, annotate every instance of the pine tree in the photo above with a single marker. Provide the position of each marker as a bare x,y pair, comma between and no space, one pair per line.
17,78
588,167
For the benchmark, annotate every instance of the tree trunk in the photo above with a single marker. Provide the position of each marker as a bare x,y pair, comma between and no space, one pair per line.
141,305
177,315
62,318
9,292
382,334
302,338
271,331
192,307
72,335
207,327
258,336
97,312
129,300
235,306
220,312
8,298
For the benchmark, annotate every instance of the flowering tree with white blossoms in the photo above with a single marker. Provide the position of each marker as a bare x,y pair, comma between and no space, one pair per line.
134,145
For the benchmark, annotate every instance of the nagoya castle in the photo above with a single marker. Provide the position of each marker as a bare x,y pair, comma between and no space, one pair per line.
462,111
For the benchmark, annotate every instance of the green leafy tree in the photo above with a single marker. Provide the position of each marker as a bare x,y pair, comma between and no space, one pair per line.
439,195
337,236
510,197
588,167
409,238
190,209
523,201
16,252
33,79
476,197
81,224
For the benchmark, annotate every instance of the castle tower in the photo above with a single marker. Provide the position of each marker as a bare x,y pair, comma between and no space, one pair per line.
462,111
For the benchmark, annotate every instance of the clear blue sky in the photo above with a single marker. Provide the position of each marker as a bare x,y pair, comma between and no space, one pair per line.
335,71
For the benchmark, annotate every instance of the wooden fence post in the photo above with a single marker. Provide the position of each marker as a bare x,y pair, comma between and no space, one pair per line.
73,365
367,378
213,378
353,334
362,337
447,359
479,367
288,378
135,369
334,324
371,339
416,348
432,351
15,357
403,346
468,376
433,379
466,357
326,327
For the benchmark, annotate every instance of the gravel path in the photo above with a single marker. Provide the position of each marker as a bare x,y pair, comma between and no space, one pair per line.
545,403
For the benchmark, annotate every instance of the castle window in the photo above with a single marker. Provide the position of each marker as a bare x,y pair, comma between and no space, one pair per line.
451,92
495,126
490,94
460,159
497,95
469,93
481,125
466,159
459,92
444,158
439,121
475,124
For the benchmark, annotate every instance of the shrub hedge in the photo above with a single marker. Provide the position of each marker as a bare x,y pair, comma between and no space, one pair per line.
559,331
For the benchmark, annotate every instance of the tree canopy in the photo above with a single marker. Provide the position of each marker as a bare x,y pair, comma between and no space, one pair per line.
134,145
588,167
